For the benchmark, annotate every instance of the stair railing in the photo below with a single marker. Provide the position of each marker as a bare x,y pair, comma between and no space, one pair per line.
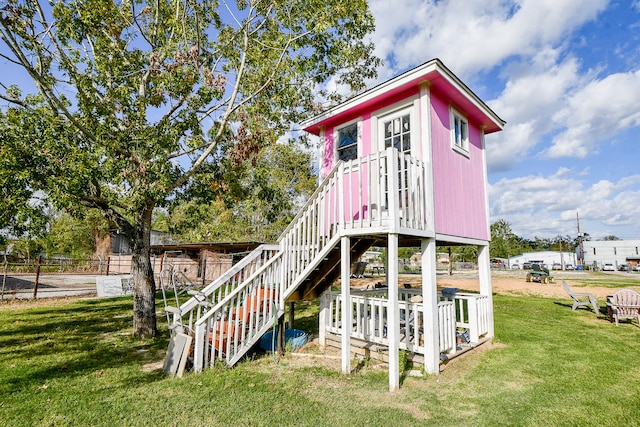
383,191
218,290
234,324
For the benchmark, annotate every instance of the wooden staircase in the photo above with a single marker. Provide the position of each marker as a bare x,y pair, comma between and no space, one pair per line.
244,303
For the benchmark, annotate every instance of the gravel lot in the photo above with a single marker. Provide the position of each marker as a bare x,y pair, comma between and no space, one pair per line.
20,286
508,282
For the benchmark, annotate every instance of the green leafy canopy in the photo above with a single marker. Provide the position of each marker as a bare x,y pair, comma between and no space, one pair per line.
154,90
135,99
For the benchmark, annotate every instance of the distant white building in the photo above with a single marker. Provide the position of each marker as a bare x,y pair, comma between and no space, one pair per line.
549,258
615,252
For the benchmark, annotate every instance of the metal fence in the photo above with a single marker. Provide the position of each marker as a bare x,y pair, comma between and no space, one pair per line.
24,276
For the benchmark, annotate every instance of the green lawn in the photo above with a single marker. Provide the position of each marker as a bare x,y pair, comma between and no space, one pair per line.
76,364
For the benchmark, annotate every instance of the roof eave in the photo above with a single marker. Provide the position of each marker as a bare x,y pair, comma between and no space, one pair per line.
414,76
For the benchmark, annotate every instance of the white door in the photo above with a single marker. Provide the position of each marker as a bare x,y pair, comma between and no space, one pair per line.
395,130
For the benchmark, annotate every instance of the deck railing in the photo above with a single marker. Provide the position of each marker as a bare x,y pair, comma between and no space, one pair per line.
382,192
472,313
369,317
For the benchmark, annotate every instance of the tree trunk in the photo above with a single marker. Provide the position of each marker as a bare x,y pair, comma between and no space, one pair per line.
144,295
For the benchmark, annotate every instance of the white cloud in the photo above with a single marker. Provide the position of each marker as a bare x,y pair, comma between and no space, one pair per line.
536,89
597,111
545,206
526,38
473,36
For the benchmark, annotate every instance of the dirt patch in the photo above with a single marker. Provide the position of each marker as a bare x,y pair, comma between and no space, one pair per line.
508,283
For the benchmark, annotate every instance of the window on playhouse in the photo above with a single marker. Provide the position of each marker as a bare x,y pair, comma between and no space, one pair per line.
396,131
459,132
347,138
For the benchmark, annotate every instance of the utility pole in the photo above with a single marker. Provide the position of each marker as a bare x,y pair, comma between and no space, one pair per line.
580,249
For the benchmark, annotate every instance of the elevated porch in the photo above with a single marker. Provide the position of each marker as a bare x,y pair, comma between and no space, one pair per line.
383,199
463,322
364,200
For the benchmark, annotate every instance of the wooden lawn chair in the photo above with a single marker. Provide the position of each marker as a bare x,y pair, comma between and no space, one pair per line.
625,304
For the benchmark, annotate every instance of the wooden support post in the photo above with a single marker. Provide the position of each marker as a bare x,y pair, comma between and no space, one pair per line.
323,318
393,312
292,313
280,345
108,264
35,284
484,275
4,278
345,264
430,307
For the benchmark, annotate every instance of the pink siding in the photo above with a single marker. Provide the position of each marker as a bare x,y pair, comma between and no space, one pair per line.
459,198
459,189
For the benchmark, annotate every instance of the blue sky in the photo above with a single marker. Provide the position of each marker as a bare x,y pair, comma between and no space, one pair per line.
565,75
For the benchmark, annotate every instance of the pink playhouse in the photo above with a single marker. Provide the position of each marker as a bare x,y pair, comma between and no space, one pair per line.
403,164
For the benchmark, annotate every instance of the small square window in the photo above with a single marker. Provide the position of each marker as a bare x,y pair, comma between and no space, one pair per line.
347,138
459,132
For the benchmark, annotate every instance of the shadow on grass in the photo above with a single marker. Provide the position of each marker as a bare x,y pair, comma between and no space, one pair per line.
45,343
306,316
602,311
16,283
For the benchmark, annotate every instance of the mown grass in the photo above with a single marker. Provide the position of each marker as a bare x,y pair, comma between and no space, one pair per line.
607,280
76,364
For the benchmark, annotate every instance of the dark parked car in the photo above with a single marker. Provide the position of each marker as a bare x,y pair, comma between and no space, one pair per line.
623,267
526,265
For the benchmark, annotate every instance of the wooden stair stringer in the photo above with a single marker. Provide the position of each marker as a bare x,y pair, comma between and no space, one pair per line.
327,271
255,338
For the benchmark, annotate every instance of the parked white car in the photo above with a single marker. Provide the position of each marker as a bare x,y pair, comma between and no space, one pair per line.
608,267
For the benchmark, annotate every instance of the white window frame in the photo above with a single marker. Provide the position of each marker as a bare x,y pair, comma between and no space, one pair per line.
406,109
459,139
336,139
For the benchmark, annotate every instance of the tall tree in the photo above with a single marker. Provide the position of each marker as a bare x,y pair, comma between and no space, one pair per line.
504,243
261,198
75,236
138,100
